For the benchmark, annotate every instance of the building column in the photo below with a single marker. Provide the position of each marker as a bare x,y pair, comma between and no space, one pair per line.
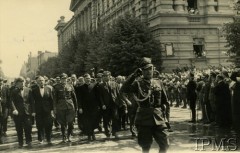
86,19
165,6
94,14
210,4
83,24
179,5
89,17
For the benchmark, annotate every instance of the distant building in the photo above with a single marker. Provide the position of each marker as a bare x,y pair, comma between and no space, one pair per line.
190,30
23,71
43,56
30,68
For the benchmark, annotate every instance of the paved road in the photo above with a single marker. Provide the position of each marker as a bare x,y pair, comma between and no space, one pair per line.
183,139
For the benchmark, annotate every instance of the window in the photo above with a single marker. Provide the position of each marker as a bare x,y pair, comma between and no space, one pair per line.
192,7
192,4
198,47
107,3
169,49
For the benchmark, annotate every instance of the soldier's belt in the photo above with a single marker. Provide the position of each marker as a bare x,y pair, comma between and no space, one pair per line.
65,99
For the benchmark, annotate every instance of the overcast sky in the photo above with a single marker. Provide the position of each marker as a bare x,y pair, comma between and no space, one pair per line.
28,26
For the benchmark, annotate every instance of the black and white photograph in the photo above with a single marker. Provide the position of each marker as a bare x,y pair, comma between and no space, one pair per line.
119,76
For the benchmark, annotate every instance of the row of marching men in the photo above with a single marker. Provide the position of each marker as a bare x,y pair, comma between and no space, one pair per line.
60,100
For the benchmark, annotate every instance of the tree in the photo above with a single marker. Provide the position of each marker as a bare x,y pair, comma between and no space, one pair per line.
67,56
129,40
81,53
96,47
232,31
232,34
50,68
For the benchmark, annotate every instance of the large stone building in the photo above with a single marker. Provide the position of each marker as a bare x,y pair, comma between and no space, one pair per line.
190,30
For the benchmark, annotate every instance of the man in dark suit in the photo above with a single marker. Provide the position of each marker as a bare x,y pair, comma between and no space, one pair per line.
22,106
108,92
5,104
151,97
43,109
192,96
88,106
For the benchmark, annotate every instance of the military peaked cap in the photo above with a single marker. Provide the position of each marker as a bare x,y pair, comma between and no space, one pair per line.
145,63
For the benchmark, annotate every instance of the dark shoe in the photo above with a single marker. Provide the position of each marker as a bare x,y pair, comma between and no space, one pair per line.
20,146
41,141
107,137
134,135
170,130
57,128
100,129
29,145
116,136
64,140
93,138
192,121
184,107
69,139
49,143
4,134
176,106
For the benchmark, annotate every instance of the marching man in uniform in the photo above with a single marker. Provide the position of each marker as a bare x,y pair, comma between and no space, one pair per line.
151,97
65,106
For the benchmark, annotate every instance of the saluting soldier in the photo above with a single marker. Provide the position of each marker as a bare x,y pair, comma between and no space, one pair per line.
65,106
151,97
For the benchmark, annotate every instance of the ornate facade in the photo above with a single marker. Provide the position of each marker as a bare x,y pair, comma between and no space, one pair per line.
190,30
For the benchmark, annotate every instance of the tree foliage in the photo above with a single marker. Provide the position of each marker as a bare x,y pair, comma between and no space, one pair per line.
232,33
117,49
129,40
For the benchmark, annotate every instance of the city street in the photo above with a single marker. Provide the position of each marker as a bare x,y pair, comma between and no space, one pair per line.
183,139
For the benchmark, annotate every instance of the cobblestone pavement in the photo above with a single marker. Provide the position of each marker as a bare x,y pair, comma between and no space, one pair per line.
182,139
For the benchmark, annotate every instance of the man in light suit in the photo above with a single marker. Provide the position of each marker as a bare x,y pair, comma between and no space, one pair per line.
43,109
22,106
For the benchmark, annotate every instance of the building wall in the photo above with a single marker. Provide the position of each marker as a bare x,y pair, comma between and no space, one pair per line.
43,56
171,23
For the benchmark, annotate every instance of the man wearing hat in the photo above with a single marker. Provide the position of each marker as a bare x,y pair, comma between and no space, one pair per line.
22,106
223,102
65,106
151,97
192,96
98,102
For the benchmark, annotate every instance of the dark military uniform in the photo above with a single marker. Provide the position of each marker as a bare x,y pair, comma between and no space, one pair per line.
65,105
151,113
